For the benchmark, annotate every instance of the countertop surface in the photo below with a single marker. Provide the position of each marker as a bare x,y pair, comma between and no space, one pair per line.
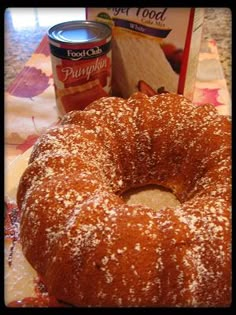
23,36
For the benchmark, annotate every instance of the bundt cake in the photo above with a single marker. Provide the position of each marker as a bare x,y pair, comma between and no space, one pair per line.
89,246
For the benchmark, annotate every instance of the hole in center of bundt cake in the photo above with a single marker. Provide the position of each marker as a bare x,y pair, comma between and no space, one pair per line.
153,196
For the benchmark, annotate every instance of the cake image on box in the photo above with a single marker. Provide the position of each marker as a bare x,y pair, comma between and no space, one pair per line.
156,46
138,58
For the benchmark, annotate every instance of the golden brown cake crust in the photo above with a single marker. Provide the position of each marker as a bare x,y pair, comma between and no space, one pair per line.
91,248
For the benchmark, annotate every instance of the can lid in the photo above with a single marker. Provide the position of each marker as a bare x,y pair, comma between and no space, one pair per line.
72,32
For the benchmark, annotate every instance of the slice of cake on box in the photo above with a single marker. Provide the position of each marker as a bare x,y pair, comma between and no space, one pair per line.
138,58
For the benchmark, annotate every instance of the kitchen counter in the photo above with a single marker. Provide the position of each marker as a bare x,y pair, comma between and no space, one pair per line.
218,26
21,42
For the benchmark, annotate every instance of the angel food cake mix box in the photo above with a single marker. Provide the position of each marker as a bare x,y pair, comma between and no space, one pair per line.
153,49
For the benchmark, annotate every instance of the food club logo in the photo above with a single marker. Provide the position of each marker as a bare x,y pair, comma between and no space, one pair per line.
84,54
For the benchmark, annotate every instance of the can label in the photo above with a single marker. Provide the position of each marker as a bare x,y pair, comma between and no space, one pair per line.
82,72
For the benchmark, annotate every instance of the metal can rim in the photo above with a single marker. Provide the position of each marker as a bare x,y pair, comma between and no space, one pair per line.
52,32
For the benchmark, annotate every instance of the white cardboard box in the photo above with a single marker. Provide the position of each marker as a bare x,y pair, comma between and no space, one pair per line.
153,48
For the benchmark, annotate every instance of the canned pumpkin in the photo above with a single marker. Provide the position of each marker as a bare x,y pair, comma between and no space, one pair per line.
81,63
